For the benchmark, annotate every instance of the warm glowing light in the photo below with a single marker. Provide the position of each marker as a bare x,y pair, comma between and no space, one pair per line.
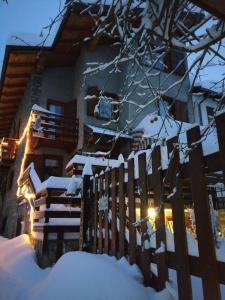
151,212
26,150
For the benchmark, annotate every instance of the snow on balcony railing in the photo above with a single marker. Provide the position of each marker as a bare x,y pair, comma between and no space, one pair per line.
52,126
8,148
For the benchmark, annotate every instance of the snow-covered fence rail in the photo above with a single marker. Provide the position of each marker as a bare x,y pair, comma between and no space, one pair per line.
129,214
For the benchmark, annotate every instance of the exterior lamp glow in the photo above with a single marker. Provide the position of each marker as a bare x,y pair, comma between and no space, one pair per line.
151,212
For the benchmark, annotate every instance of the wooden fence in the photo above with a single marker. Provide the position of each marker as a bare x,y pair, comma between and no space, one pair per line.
117,195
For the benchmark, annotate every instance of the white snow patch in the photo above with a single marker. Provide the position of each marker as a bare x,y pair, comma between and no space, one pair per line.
70,278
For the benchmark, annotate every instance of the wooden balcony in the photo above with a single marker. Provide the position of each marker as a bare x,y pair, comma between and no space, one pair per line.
53,130
8,149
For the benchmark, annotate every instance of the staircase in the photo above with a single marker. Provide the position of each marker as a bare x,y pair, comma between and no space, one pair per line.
56,224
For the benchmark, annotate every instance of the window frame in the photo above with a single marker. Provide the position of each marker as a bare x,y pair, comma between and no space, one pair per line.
91,103
53,157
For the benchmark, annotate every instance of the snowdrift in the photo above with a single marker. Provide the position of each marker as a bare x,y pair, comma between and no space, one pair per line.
77,275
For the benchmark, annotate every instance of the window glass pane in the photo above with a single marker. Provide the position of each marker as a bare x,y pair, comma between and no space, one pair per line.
55,108
105,108
51,162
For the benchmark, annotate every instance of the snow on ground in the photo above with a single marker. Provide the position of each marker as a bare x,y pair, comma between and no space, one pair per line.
77,275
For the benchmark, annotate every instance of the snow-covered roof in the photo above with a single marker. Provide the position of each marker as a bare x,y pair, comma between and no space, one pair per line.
154,125
93,161
109,132
167,128
33,176
29,39
57,183
36,107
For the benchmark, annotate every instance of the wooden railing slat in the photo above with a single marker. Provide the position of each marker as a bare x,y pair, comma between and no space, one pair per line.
132,214
160,219
145,258
106,215
206,246
179,227
122,210
114,213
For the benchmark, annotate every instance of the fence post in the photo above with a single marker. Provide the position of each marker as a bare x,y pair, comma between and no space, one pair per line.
210,280
220,126
85,213
157,182
132,213
114,213
122,212
106,214
100,221
95,214
145,255
179,227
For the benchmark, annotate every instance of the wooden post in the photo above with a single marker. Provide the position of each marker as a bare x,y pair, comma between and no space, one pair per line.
85,213
210,280
95,208
179,227
122,212
145,254
220,125
132,213
160,219
100,233
106,215
59,245
114,213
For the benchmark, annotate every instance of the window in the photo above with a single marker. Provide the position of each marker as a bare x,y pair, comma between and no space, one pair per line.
52,166
165,61
177,109
210,113
175,61
55,106
103,106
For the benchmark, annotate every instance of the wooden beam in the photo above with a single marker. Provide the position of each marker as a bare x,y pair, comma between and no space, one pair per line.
25,76
21,64
5,120
8,104
15,85
215,7
12,93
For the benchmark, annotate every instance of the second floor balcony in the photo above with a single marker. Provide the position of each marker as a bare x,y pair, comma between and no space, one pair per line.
8,149
50,129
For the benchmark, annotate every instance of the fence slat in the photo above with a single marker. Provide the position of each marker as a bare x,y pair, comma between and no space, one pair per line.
220,125
122,216
132,213
207,255
113,211
59,245
85,214
95,217
145,258
106,214
179,227
160,219
100,233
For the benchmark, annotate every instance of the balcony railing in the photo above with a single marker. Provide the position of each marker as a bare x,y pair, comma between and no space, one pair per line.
8,149
53,130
